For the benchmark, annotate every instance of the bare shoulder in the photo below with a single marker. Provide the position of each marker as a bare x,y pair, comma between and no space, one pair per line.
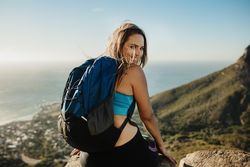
136,76
135,72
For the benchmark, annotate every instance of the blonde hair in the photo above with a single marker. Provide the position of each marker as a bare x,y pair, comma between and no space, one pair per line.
116,44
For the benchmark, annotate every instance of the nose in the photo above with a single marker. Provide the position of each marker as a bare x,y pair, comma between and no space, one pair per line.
138,52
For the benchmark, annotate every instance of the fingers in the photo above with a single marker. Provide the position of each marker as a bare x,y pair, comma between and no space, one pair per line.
173,161
166,154
75,152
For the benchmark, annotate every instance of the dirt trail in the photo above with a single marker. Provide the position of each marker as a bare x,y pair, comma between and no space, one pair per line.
29,161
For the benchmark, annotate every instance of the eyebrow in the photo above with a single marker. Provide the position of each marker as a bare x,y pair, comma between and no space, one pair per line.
136,45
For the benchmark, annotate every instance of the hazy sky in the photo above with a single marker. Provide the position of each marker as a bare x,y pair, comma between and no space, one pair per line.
188,30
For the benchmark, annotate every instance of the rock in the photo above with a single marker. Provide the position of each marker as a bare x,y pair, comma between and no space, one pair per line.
216,158
244,67
245,58
77,160
247,55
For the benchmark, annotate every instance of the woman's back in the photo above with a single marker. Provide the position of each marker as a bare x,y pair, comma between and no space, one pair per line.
125,89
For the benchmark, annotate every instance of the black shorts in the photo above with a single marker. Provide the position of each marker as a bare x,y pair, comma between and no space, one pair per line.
134,153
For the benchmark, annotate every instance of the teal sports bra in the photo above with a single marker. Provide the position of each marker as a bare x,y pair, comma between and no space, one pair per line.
122,103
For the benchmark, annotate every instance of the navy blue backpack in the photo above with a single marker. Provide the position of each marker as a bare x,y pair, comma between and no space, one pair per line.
86,121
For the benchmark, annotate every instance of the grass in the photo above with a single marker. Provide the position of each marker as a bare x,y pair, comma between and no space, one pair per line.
181,145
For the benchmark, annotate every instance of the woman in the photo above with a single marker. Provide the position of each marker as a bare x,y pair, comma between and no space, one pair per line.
128,45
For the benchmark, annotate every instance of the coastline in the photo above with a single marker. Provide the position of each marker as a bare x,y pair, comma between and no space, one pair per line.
23,118
42,108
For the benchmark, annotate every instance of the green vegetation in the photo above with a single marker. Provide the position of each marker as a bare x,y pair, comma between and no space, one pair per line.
212,112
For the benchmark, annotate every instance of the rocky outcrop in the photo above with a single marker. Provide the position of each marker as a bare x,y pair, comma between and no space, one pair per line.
246,55
243,67
216,158
77,160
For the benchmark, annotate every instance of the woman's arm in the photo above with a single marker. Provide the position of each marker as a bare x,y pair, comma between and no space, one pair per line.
140,91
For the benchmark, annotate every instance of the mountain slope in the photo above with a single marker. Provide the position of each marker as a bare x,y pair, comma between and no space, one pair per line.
218,100
209,113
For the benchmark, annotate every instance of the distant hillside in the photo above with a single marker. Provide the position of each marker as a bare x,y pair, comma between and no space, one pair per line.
210,112
220,99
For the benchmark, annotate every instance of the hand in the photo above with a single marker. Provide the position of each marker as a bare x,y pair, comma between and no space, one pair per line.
75,152
164,152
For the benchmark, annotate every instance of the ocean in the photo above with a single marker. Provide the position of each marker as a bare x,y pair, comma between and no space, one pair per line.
25,87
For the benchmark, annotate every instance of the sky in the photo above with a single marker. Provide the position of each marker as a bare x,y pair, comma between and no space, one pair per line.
176,30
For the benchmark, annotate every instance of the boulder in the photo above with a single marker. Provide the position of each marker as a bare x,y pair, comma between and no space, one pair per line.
77,160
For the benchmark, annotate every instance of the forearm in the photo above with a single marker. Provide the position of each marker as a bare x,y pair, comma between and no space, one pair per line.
152,127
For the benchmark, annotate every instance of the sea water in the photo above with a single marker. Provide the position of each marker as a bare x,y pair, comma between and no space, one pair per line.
25,87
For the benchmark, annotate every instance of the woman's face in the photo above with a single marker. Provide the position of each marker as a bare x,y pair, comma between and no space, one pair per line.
133,49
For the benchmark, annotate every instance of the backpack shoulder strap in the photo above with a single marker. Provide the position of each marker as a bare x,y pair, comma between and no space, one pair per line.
129,115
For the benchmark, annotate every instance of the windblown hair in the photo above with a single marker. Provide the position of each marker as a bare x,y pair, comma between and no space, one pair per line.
116,44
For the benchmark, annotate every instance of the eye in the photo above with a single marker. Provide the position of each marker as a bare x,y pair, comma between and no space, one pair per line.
132,46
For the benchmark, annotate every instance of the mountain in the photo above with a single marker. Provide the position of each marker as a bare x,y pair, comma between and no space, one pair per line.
209,113
218,100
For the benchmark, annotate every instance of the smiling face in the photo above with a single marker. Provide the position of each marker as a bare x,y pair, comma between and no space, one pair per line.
133,49
128,44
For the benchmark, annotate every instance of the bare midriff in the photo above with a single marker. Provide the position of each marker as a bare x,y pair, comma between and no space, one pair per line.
128,132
